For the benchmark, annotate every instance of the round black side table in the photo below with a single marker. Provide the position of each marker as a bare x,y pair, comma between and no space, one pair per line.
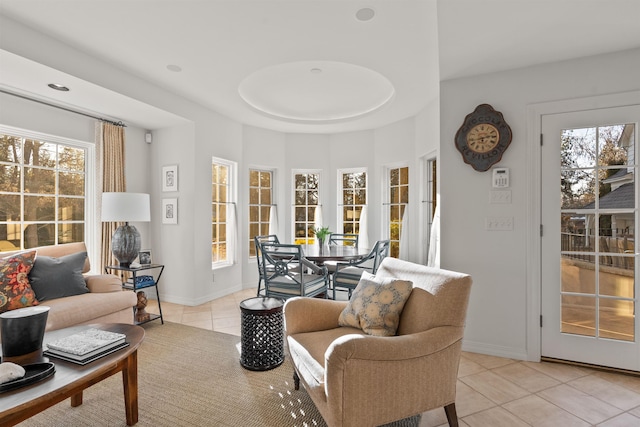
262,333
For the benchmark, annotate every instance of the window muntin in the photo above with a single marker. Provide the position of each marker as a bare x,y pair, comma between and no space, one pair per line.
43,190
260,204
353,189
306,197
398,179
222,212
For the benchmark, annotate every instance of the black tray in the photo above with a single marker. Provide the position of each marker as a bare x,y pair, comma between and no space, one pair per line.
34,373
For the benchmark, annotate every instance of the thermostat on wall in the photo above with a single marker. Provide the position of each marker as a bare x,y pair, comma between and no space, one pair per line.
500,178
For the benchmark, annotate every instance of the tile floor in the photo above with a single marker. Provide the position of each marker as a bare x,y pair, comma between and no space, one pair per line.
492,391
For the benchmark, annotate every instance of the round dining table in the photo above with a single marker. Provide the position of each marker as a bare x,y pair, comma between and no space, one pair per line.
319,255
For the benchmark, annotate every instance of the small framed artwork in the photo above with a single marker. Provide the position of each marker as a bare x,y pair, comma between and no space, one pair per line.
144,256
170,178
169,211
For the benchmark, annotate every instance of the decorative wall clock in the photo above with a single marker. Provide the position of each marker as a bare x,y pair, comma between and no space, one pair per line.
483,137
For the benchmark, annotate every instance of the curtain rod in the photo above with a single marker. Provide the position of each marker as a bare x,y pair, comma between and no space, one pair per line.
118,123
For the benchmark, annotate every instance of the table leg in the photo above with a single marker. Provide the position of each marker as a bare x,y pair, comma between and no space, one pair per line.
130,385
76,400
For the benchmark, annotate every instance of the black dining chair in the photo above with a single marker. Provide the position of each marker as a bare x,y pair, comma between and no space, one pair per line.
259,241
347,275
287,273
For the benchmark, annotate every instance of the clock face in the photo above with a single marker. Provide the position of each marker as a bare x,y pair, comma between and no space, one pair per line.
483,138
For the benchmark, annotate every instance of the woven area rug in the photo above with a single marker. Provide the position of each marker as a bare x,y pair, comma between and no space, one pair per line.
192,377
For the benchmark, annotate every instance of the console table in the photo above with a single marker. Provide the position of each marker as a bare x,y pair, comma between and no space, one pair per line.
139,280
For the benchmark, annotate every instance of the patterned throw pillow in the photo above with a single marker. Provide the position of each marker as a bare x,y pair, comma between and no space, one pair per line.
15,289
376,305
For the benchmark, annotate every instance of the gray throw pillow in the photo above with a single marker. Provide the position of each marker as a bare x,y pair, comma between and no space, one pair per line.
58,277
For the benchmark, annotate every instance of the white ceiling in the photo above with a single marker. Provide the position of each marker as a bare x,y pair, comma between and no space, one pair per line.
413,44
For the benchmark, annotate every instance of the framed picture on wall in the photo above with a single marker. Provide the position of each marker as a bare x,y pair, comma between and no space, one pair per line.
170,178
169,211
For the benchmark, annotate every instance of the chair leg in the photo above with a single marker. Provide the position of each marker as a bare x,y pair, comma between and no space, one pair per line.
296,380
259,283
452,416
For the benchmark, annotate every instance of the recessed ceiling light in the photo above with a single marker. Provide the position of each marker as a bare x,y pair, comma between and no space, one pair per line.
174,68
365,14
59,87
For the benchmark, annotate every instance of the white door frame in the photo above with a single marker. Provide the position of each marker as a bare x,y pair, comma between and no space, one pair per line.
534,194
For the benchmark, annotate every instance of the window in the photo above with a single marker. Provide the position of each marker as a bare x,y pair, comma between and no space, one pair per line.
260,204
306,196
430,196
222,212
43,189
398,199
353,188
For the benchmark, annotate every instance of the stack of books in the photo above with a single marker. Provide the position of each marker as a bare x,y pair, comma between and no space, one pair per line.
86,346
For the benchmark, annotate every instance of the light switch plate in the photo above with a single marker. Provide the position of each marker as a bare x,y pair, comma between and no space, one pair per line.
498,223
500,196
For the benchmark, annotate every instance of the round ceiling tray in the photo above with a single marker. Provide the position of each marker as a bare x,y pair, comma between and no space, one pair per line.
316,91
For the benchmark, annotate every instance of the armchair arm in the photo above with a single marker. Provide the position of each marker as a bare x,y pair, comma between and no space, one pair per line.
101,283
302,314
396,348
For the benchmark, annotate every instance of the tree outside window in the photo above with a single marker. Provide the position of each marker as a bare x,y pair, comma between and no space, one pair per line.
42,192
354,197
260,205
398,199
306,196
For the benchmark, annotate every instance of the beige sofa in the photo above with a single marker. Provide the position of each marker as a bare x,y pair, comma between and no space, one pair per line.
356,379
105,302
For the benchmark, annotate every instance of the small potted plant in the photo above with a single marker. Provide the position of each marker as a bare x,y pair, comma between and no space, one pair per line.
321,234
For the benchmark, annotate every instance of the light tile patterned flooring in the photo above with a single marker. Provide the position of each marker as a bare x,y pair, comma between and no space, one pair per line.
492,391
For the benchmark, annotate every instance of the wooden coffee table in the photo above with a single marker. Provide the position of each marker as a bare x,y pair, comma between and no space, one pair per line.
71,379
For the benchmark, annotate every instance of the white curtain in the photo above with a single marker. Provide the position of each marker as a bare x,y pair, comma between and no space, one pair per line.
363,235
232,232
433,259
318,217
404,235
273,220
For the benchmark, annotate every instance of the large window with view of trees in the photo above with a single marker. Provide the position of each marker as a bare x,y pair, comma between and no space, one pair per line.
353,189
260,204
398,179
222,212
43,187
306,196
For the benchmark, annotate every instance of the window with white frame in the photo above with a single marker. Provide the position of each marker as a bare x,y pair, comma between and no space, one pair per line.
223,214
44,189
260,204
306,204
398,198
353,190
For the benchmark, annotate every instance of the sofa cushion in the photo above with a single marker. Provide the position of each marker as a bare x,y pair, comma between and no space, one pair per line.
15,289
376,305
53,278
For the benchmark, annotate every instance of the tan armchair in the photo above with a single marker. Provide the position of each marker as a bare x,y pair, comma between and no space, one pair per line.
356,379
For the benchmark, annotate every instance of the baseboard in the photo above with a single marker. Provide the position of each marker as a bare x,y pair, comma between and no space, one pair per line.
494,350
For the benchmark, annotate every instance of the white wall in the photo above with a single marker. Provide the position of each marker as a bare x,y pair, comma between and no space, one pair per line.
499,319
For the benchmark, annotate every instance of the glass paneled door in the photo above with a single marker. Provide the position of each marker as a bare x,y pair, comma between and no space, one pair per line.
589,252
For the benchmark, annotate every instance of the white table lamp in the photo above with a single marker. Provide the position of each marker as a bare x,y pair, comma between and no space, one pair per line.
125,207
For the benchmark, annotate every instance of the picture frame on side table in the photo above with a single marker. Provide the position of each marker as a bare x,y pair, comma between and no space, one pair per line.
169,211
170,178
144,257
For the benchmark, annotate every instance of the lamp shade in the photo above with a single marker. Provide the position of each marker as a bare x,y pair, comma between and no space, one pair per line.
125,207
